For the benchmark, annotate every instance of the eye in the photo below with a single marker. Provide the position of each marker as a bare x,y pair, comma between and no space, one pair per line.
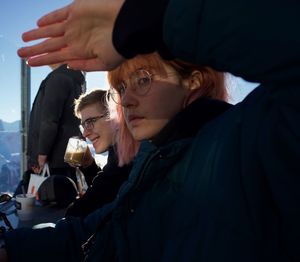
87,123
142,81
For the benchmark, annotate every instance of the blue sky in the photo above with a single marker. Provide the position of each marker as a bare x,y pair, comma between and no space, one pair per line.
18,16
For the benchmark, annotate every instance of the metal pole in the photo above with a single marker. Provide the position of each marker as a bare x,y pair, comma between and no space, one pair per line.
25,112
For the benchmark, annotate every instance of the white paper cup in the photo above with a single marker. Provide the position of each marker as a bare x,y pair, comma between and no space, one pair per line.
24,205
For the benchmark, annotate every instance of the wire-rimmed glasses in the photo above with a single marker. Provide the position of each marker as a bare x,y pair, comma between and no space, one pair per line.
89,123
139,83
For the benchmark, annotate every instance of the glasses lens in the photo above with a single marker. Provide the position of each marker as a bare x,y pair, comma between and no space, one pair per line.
88,124
141,82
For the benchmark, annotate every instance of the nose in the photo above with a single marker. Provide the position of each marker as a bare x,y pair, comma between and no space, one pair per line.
86,133
129,98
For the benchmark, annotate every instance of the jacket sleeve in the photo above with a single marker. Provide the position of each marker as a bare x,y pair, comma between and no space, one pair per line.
104,189
90,172
279,152
245,38
60,243
56,92
138,27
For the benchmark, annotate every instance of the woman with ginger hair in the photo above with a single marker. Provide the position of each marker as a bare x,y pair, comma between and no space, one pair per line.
128,146
165,105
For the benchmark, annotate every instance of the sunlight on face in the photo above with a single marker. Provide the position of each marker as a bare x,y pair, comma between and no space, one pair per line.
146,115
101,135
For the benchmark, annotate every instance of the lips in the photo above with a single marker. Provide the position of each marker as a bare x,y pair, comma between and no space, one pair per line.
134,118
94,140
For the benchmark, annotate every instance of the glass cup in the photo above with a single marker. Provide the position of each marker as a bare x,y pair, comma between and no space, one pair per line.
75,151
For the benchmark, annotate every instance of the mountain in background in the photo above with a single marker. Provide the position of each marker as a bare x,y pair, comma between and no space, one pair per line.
10,148
10,127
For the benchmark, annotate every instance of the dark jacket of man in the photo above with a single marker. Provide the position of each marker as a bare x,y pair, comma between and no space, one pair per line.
52,119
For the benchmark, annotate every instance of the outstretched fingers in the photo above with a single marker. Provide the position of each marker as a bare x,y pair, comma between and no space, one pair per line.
61,56
55,16
49,45
54,30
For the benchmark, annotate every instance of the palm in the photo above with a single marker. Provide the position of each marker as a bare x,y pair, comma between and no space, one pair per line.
78,34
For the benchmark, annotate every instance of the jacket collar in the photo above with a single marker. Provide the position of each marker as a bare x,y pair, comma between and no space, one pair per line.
188,122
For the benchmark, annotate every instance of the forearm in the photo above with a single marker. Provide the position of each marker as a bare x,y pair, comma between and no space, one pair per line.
61,243
230,36
47,135
245,38
138,27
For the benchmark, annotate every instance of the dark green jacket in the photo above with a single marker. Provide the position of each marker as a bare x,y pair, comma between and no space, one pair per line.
257,40
145,206
248,163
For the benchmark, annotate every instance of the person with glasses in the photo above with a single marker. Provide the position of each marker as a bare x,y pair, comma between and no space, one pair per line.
96,125
165,105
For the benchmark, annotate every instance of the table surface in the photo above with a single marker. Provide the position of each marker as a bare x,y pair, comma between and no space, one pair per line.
42,214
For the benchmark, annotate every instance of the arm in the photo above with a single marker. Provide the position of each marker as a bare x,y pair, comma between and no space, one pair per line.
56,92
60,243
231,36
279,154
104,190
245,38
90,172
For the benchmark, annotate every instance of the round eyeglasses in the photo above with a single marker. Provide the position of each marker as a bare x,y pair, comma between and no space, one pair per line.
89,123
139,83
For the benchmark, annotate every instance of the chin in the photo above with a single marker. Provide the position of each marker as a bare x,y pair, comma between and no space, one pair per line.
99,150
141,135
102,148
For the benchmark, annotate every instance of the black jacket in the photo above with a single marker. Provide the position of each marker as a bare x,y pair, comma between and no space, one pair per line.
103,188
258,41
155,214
248,163
52,119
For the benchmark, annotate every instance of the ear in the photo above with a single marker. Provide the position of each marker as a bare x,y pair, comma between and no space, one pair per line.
193,85
194,81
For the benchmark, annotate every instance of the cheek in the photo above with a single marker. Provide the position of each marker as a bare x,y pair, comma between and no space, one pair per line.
164,109
107,133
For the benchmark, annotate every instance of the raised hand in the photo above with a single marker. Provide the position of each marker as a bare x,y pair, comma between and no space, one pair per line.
79,34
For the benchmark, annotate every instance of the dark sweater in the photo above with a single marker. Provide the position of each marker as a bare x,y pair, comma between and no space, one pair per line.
103,188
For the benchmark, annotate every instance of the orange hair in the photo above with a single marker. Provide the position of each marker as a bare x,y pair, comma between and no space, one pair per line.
212,86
